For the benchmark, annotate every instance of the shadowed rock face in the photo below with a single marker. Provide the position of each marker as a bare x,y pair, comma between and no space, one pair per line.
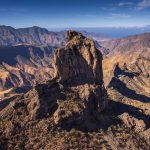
22,66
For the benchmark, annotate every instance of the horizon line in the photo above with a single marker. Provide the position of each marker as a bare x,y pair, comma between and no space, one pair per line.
76,27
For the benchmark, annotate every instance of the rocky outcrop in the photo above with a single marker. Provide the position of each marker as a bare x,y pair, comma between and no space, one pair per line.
76,93
79,60
80,63
78,67
132,122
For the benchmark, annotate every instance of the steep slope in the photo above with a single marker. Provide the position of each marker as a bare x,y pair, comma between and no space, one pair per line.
23,66
125,50
132,82
126,71
71,111
131,43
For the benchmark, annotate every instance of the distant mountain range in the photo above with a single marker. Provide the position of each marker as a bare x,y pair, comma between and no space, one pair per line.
37,36
32,36
130,43
112,32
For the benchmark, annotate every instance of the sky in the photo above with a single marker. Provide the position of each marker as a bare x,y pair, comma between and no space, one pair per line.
74,13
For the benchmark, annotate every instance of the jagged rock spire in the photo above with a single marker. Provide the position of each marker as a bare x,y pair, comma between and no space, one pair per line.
78,60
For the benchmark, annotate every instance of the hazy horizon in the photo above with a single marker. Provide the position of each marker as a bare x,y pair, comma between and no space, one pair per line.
111,32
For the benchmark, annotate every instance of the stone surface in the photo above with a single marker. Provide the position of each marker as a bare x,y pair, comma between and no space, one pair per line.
79,60
132,122
76,93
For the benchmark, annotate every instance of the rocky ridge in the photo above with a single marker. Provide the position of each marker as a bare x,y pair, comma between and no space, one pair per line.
36,36
22,66
128,44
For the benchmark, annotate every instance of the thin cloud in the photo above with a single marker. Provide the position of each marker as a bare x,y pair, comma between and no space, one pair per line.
108,8
118,15
143,4
89,15
125,4
86,15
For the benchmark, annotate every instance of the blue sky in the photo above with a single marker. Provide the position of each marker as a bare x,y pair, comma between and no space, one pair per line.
74,13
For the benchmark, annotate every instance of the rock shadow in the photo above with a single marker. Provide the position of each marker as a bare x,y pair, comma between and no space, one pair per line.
108,118
5,102
118,108
118,71
121,87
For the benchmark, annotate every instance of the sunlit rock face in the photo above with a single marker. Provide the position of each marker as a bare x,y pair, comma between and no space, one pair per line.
79,60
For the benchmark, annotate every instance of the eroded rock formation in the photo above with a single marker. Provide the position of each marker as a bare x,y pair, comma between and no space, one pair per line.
76,93
79,60
78,67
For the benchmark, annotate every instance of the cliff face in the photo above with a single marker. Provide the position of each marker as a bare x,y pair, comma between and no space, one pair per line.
79,60
79,64
78,67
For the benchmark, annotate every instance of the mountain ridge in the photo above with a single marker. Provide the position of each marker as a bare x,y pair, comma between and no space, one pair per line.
32,35
130,43
35,35
74,110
